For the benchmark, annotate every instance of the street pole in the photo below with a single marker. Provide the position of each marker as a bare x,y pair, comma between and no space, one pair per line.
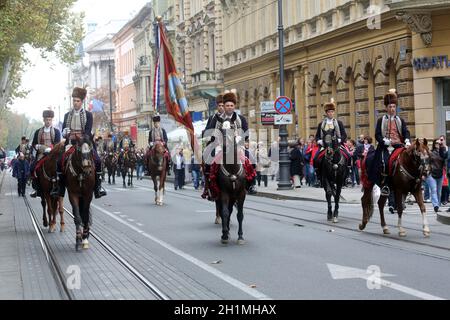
110,97
285,182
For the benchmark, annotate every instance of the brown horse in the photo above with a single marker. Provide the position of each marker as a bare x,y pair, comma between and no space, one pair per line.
110,161
127,162
79,170
46,177
157,164
413,164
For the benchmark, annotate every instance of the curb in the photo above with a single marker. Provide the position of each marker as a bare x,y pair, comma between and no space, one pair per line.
443,217
284,197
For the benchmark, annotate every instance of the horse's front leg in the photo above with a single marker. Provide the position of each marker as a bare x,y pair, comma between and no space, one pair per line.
381,205
225,219
328,195
51,211
240,217
336,202
161,188
44,212
218,208
367,207
77,220
399,204
155,187
60,203
419,199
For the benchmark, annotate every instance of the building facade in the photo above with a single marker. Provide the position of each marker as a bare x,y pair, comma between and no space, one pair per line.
199,48
351,50
125,116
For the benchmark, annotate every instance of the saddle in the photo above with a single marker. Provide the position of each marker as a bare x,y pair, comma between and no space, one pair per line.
38,166
341,150
66,155
393,160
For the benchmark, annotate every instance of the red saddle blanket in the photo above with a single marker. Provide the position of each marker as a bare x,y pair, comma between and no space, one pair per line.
343,153
250,173
38,166
393,158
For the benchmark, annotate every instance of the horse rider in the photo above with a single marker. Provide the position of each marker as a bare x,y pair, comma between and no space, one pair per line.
23,146
207,167
78,120
125,144
391,133
109,145
157,133
43,141
240,124
329,126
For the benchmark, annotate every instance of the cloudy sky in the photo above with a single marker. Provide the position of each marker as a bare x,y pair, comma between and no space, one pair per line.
47,80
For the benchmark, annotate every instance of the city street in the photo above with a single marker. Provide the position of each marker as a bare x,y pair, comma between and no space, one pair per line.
291,251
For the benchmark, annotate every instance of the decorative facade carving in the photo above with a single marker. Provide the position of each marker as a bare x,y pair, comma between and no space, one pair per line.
420,23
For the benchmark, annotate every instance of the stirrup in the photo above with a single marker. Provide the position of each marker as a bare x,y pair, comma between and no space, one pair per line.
33,194
385,191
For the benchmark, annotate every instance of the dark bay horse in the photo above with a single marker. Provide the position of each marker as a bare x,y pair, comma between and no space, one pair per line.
127,162
157,165
46,177
110,161
231,181
334,171
413,164
79,169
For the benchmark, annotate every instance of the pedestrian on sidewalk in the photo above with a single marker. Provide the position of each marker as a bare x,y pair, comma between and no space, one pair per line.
21,172
438,155
263,164
297,164
274,154
445,190
178,168
194,169
354,173
140,164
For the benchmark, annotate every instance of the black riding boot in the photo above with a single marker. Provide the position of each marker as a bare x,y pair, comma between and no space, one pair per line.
99,191
59,188
35,192
168,168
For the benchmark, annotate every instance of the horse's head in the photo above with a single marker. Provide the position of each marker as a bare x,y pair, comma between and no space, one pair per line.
83,150
331,145
421,156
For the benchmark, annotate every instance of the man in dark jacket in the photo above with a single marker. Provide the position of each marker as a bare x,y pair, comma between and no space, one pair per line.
391,133
78,121
21,171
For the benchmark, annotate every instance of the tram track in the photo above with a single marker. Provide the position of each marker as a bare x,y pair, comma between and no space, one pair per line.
139,276
350,229
50,256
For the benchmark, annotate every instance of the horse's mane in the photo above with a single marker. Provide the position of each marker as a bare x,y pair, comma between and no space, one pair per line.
57,149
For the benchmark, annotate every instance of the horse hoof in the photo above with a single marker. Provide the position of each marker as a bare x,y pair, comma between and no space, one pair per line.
62,229
362,227
241,241
85,244
386,231
426,234
218,221
45,224
224,241
335,220
402,234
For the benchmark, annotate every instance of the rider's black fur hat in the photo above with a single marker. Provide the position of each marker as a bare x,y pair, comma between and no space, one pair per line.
229,97
391,97
48,114
156,119
79,93
330,105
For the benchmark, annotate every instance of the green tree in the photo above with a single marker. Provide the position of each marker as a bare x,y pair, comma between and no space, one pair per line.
13,126
48,25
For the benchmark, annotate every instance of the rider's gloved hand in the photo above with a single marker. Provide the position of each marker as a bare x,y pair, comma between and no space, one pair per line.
387,142
151,144
407,143
66,132
339,140
37,146
320,142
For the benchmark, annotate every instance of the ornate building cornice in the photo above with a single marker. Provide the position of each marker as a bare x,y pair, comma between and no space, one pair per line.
421,23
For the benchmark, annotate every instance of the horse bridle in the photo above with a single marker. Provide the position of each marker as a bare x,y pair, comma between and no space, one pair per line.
72,170
231,176
418,159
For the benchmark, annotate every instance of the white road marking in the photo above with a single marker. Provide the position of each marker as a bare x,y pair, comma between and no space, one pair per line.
139,224
342,272
234,282
205,211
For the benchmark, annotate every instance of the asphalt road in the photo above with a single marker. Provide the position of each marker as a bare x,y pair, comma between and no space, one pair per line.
291,251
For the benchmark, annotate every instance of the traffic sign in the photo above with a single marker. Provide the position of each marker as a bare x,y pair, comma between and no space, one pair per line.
281,119
283,105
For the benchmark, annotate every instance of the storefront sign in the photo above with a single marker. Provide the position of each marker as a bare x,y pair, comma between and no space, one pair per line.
428,63
267,113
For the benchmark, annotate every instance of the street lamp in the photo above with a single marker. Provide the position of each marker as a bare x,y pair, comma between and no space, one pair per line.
285,182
